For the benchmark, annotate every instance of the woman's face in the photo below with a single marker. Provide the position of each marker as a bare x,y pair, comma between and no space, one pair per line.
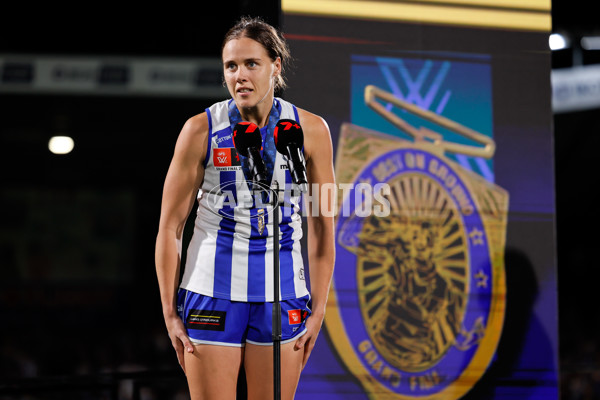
249,71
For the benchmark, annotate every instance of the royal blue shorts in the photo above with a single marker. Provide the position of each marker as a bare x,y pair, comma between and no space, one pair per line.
209,320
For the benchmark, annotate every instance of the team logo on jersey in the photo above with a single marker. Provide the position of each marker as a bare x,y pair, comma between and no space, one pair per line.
423,288
226,158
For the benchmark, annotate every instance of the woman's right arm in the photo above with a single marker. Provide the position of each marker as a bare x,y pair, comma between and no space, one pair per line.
183,179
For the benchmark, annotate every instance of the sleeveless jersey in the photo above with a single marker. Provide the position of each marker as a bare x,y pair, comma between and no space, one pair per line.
230,255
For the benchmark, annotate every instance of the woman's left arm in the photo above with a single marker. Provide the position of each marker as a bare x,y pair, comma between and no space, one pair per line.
318,151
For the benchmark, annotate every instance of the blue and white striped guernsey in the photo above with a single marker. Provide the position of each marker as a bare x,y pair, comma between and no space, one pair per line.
230,255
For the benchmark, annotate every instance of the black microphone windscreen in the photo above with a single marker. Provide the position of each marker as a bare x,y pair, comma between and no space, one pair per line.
246,135
287,132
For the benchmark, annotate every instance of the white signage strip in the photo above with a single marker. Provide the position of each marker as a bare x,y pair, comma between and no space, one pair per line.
195,77
576,89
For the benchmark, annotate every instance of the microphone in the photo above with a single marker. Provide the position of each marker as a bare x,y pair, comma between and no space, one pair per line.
289,140
248,142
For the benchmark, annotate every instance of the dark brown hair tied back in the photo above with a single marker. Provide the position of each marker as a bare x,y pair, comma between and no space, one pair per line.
269,37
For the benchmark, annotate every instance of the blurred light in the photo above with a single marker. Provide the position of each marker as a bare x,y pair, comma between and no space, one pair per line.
557,41
61,144
590,42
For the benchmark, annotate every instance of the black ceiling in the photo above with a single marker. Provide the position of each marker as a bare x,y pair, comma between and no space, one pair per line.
190,30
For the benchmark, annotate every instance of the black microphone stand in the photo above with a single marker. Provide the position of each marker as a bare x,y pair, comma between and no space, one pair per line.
276,317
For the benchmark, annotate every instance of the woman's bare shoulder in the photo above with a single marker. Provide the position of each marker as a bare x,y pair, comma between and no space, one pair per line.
196,125
317,138
193,138
312,124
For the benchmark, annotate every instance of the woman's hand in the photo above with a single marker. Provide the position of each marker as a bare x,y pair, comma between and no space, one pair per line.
308,340
179,338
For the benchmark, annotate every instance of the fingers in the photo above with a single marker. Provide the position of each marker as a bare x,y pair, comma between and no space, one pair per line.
179,338
187,344
181,343
308,347
303,341
300,342
306,343
180,357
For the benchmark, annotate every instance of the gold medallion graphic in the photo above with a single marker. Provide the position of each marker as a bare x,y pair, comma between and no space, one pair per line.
418,296
411,273
261,220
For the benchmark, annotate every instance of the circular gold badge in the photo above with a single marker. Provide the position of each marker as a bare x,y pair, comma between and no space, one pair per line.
417,300
412,269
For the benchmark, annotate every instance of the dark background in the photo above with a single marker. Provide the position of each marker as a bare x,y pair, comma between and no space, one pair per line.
575,143
104,330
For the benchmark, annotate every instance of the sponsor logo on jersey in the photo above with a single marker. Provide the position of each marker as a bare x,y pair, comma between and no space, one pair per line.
208,320
295,317
225,158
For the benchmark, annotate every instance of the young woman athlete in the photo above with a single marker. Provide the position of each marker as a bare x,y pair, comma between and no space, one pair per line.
219,316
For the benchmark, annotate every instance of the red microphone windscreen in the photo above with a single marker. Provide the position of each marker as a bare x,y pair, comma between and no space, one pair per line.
246,135
288,131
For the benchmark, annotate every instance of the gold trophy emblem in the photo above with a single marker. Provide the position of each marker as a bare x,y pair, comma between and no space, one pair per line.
429,276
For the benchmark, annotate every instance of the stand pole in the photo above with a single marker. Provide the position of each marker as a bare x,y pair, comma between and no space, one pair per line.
276,301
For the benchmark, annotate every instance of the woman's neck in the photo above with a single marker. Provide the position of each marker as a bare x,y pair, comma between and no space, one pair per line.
259,114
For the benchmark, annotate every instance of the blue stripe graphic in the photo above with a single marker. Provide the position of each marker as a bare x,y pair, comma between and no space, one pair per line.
224,251
286,243
256,260
207,155
296,113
